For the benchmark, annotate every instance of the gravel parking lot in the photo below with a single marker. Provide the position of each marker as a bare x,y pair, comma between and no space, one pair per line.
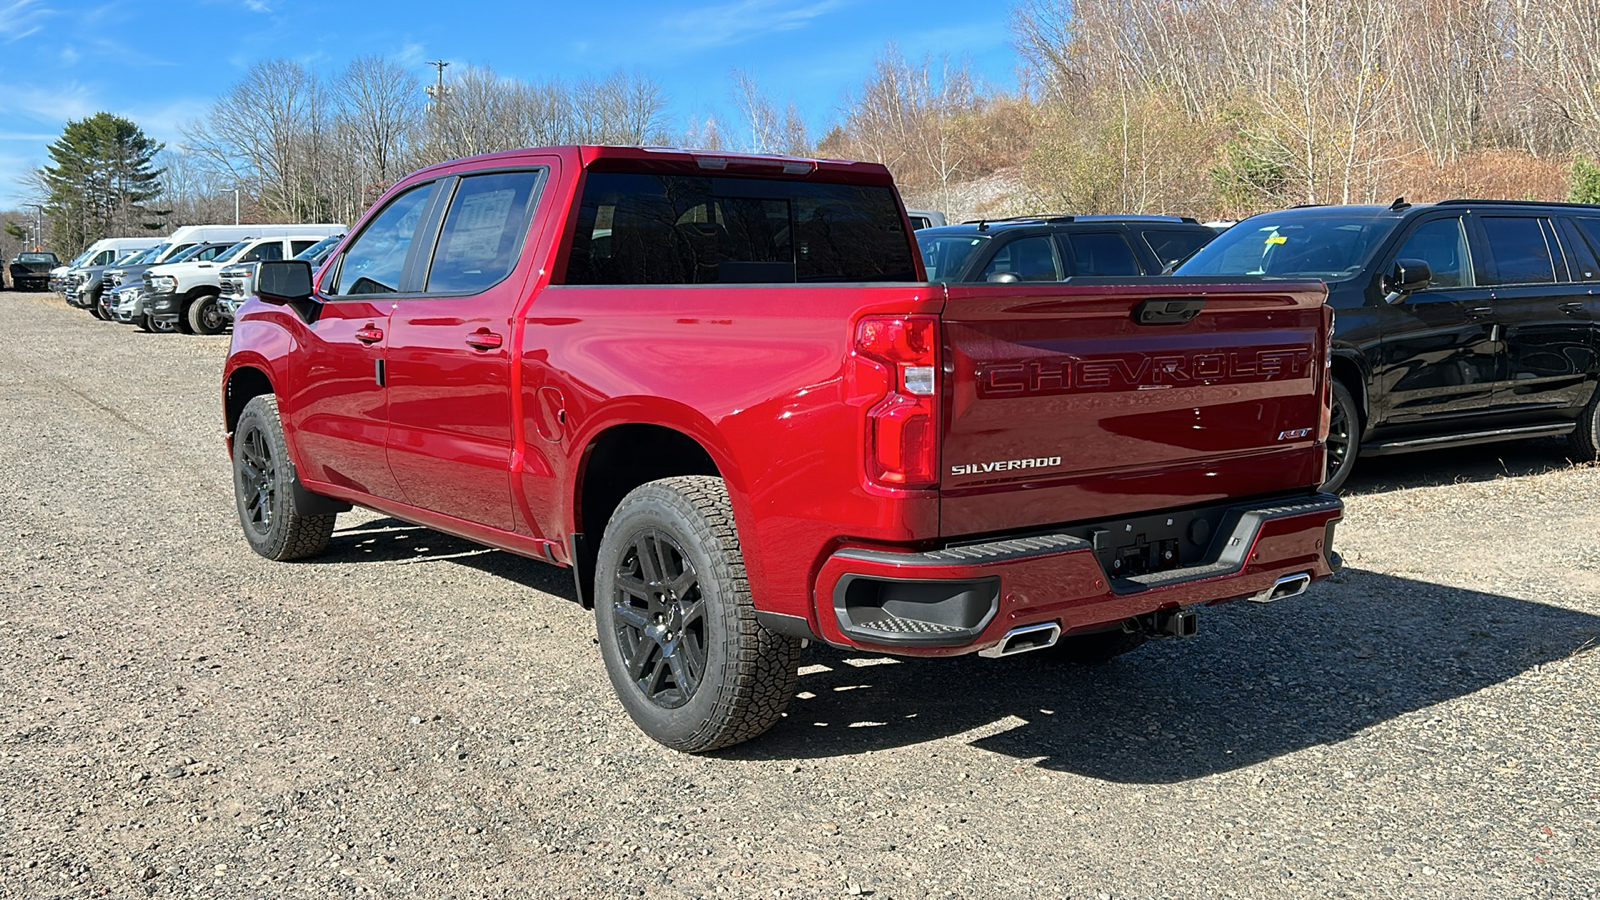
414,716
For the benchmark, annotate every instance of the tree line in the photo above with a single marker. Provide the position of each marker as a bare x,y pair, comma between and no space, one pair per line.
1215,108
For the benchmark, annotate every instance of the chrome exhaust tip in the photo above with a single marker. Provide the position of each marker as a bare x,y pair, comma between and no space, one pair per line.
1021,640
1284,588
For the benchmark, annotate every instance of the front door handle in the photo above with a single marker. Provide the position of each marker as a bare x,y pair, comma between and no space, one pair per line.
1478,312
1573,307
484,340
370,334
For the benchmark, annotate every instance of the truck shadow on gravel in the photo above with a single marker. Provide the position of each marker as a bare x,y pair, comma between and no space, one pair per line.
1257,683
393,541
1458,465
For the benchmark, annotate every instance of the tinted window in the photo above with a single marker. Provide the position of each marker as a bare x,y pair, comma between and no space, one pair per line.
298,247
1519,250
945,256
1029,258
1585,247
1105,253
1442,244
689,229
483,231
1175,246
264,252
373,263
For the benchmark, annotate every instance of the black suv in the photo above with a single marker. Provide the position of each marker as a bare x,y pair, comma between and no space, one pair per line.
1052,248
1460,322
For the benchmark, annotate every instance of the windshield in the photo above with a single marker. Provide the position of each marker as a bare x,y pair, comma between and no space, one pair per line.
946,255
1326,243
236,250
318,250
154,253
36,257
81,258
189,253
128,259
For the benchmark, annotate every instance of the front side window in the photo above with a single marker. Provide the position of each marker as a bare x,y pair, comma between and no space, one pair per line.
1103,254
483,231
691,229
1173,247
1519,250
265,252
1442,244
1329,244
1029,258
374,262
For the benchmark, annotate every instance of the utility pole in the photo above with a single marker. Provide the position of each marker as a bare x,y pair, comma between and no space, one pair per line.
437,91
38,223
235,206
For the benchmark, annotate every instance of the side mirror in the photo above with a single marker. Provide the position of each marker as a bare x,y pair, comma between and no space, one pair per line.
1408,277
283,281
1004,278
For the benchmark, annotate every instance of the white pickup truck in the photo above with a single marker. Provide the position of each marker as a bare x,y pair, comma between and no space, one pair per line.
185,294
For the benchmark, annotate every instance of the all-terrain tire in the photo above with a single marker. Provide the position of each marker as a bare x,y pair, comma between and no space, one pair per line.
678,631
1584,442
263,487
1344,438
204,316
1093,649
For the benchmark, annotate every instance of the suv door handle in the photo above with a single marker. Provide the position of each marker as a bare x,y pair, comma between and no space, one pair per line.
370,334
1573,307
483,340
1478,312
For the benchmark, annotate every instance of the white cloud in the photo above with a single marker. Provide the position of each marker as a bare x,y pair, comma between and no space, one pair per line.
24,18
734,23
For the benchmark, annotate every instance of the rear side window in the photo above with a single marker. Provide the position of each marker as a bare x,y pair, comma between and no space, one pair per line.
374,262
1029,258
1585,241
689,229
1172,247
483,231
1102,253
298,247
1519,249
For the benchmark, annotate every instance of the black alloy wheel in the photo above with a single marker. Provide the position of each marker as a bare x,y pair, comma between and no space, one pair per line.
659,618
677,626
1344,426
264,488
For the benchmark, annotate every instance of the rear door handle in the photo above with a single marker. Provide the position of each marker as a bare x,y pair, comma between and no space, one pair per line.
484,340
1478,312
1573,307
370,335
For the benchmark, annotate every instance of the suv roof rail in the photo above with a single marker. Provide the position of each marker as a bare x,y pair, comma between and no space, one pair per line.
1059,219
1466,201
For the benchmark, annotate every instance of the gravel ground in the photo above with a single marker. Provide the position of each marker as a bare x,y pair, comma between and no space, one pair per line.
414,716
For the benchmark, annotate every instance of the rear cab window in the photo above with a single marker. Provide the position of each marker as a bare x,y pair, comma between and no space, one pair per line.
635,228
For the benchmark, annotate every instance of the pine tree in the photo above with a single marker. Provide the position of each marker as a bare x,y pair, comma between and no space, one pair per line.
101,182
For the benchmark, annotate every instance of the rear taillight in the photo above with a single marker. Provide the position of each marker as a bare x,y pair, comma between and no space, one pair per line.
902,433
1325,420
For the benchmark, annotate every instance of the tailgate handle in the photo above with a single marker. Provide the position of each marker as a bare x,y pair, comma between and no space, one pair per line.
1168,311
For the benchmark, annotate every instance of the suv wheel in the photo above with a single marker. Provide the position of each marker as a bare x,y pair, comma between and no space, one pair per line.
263,487
205,315
1344,438
1585,441
678,631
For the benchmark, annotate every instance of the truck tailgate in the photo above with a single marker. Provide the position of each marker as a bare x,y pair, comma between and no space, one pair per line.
1079,402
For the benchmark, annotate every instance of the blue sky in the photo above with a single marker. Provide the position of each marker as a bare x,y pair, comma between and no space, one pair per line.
162,64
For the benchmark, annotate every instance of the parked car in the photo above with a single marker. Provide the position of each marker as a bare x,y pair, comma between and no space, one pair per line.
721,390
84,283
925,218
238,281
1052,248
1462,322
185,294
129,304
101,253
30,270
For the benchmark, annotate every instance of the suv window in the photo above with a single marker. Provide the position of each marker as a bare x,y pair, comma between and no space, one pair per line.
1102,253
264,252
483,231
1442,244
1175,246
1519,250
373,263
691,229
1583,235
1029,258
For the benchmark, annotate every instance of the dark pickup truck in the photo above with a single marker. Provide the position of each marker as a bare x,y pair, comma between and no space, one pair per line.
720,389
30,271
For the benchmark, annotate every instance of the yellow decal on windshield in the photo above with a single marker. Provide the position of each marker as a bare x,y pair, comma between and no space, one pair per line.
1277,239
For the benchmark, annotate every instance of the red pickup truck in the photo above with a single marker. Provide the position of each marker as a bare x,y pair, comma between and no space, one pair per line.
719,389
